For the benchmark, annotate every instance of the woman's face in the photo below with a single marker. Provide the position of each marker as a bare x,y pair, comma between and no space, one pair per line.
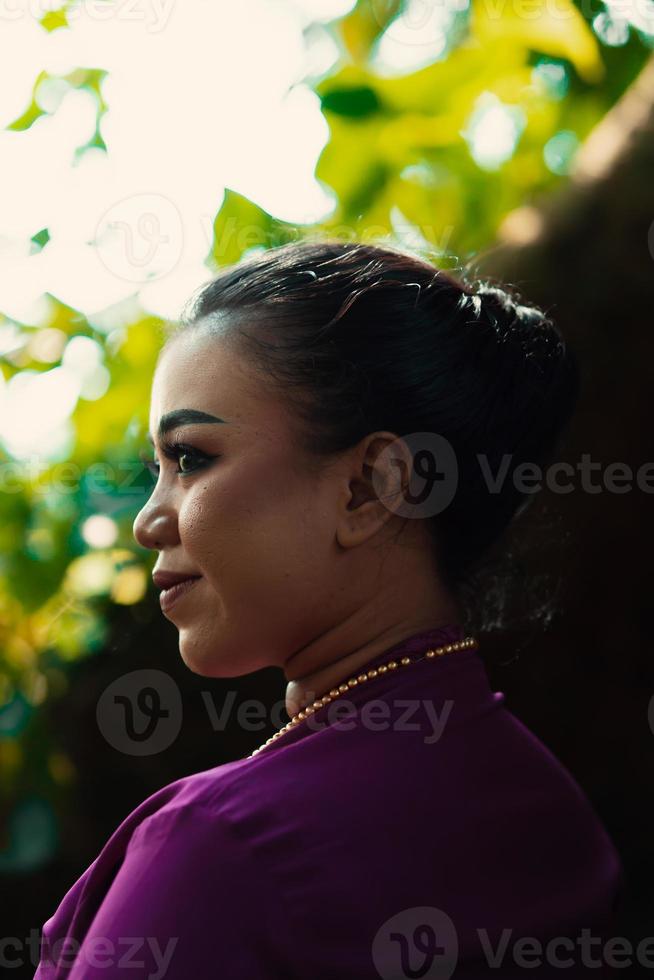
245,514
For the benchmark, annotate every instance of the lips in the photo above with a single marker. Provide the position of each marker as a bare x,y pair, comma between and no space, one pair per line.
164,580
173,586
169,596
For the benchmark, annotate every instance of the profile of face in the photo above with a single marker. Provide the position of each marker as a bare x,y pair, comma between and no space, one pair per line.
269,535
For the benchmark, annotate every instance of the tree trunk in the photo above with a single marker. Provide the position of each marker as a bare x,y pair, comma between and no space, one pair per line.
586,255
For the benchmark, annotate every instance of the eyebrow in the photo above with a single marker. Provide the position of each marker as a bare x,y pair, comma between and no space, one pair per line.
182,416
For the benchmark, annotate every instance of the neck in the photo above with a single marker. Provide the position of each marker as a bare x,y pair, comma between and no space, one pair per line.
305,687
373,609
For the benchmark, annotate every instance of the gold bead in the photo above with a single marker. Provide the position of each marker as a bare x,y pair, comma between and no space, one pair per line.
382,668
405,661
309,710
352,682
372,673
334,692
430,654
300,715
317,704
327,699
392,664
362,677
342,688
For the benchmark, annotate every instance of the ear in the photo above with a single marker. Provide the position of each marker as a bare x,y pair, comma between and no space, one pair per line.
376,485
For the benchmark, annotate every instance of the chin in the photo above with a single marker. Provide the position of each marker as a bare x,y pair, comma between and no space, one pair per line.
208,659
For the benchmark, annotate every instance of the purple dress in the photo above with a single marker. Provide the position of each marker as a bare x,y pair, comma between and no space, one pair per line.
420,830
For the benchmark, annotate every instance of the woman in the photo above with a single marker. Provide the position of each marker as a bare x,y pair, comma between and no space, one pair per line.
325,419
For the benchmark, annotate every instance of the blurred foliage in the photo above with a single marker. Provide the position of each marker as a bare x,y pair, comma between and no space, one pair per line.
432,158
49,92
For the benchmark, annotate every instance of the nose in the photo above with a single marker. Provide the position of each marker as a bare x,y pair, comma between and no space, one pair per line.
155,525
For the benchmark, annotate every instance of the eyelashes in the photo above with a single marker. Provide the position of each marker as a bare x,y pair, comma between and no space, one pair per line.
177,451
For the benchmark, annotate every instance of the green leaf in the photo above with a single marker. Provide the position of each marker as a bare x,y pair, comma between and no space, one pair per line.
364,24
40,239
355,102
54,19
33,111
558,30
240,225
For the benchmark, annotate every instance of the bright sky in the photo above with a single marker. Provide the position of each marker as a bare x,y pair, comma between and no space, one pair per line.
202,94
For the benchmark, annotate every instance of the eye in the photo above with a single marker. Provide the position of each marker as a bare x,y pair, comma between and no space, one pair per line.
188,459
194,460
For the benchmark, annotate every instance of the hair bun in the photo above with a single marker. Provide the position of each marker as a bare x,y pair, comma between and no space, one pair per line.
526,326
494,298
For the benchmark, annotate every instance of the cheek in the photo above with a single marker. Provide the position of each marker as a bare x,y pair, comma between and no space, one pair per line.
206,522
255,530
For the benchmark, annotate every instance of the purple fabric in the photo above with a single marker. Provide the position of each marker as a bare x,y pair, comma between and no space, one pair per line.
416,844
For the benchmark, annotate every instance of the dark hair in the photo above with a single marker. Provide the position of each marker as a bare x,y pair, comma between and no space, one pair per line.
361,338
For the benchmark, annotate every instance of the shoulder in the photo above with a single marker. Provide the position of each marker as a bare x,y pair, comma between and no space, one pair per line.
182,817
199,799
180,872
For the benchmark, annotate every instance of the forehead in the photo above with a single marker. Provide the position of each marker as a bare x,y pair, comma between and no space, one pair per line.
202,371
193,357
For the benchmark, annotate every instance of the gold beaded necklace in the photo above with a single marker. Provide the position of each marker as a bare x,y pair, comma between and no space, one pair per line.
469,643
